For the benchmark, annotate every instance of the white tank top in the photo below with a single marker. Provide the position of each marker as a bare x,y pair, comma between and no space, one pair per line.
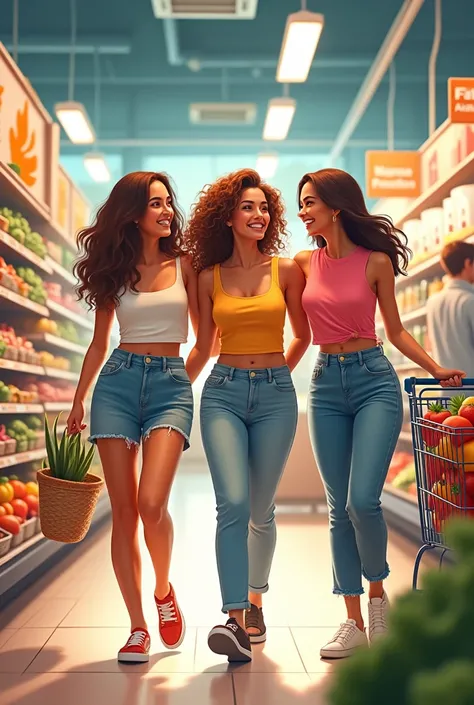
155,316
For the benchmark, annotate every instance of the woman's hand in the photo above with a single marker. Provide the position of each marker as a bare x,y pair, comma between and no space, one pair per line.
75,419
449,378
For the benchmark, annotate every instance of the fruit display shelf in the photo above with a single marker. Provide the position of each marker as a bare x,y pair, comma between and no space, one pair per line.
11,408
61,271
13,301
78,318
18,251
9,461
17,194
37,370
53,341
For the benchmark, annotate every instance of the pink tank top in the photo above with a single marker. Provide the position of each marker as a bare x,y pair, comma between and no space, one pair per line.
338,300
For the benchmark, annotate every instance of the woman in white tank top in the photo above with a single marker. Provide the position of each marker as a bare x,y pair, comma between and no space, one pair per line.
132,266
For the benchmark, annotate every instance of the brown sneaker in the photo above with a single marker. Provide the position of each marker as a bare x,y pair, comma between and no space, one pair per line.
254,620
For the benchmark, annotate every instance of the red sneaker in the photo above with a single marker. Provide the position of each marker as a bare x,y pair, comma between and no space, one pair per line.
137,648
171,621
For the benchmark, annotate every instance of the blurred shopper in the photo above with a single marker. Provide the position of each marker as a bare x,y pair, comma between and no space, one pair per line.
355,402
451,311
132,266
248,406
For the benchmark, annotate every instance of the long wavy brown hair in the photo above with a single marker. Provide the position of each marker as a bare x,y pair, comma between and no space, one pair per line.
111,247
208,238
340,191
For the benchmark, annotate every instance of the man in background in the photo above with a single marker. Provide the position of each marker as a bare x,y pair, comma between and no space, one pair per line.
450,313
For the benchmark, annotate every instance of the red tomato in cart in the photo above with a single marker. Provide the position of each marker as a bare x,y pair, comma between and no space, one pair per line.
430,434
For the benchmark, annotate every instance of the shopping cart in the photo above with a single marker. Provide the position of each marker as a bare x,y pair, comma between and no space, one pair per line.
444,464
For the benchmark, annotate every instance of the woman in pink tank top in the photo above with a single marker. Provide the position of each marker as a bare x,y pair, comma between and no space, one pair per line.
355,406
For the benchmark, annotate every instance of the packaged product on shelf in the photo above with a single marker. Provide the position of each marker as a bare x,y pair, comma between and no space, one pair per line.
413,230
423,293
463,201
449,218
432,220
54,251
418,334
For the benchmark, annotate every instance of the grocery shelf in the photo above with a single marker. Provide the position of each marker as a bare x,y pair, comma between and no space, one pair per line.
61,271
9,461
25,253
12,553
51,406
463,173
19,196
15,366
406,496
55,341
411,317
9,408
432,265
17,300
71,315
402,513
61,374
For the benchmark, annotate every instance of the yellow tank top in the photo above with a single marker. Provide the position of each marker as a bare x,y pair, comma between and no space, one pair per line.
250,325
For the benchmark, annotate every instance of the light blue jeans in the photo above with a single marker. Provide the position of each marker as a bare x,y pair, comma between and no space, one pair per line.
355,416
248,424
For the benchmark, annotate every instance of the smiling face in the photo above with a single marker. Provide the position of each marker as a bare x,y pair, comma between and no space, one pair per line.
315,214
156,220
251,218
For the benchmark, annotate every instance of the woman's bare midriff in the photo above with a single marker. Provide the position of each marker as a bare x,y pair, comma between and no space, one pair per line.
153,349
349,347
246,362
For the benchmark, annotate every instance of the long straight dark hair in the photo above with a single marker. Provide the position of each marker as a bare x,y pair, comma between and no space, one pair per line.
341,192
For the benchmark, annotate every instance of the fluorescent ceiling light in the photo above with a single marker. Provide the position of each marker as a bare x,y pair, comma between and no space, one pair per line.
300,40
267,165
96,167
73,117
279,117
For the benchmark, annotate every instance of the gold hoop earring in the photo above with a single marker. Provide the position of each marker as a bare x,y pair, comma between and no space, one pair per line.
334,217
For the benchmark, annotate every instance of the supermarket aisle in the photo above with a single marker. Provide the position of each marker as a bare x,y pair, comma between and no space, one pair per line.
58,641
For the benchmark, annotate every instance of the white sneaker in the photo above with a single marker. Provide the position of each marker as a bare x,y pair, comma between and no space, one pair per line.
378,610
346,640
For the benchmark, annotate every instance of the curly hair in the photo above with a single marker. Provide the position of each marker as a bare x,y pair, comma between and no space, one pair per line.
112,245
208,238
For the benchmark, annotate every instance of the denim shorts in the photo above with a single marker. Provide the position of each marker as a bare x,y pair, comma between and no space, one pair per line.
136,394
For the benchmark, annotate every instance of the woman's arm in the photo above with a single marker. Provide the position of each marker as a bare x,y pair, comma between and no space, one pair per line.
190,279
93,361
293,281
206,336
380,271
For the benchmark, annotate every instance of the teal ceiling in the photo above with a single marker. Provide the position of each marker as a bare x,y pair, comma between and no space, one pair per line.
143,98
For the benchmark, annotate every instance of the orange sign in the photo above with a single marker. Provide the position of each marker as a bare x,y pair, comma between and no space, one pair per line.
392,174
461,99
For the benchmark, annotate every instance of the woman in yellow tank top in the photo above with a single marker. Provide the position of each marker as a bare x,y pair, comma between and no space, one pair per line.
248,404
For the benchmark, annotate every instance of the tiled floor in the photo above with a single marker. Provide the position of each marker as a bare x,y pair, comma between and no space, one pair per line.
58,641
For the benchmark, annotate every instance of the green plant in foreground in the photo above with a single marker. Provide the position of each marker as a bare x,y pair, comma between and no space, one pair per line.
68,458
428,656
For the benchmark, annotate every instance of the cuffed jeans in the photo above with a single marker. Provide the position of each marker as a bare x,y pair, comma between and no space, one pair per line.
355,416
248,424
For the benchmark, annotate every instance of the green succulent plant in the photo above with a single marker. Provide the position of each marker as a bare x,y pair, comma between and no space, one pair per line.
427,657
67,457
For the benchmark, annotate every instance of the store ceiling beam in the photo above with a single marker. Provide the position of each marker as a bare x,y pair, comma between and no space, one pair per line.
391,44
86,45
197,62
210,80
288,145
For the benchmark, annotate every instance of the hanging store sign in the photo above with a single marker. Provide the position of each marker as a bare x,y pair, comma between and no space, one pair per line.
392,174
461,100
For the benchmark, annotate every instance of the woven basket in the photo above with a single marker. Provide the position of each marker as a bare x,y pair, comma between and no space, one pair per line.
66,507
